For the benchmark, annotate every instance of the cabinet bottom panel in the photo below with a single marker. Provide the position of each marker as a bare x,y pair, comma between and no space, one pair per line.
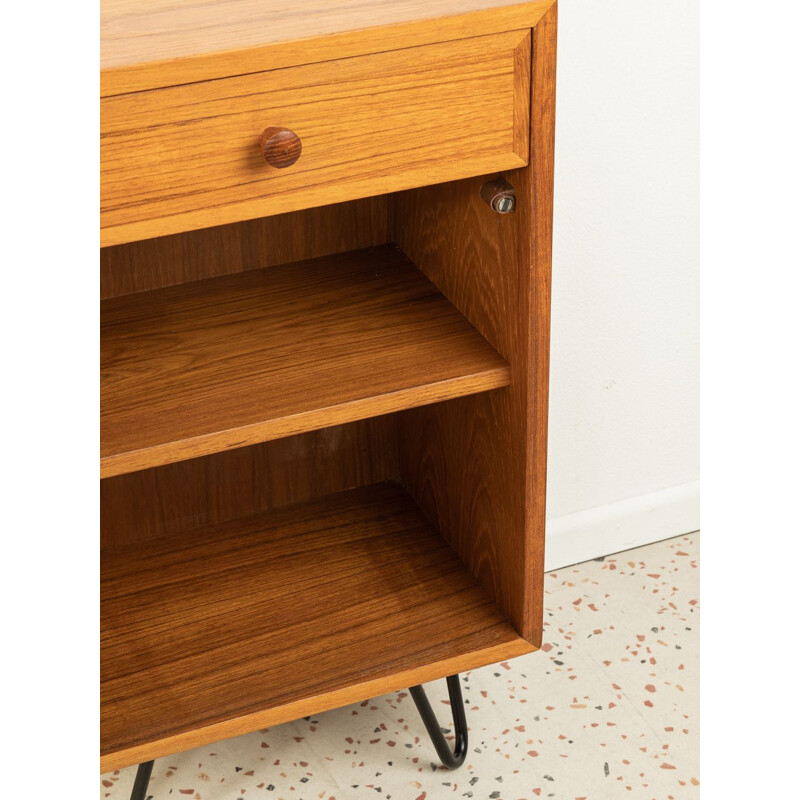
229,628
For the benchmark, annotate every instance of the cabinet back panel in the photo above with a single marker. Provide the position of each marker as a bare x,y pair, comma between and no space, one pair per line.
228,249
167,500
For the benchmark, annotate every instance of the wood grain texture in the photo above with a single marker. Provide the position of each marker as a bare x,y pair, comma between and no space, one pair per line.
241,246
220,364
189,157
280,146
190,494
250,623
477,466
147,44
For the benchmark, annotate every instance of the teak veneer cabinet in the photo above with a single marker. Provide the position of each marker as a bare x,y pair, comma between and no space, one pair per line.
325,288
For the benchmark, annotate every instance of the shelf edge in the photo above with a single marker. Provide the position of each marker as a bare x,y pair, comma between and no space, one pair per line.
314,705
363,408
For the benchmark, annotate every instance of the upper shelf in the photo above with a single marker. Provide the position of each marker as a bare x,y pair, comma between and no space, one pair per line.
227,362
147,44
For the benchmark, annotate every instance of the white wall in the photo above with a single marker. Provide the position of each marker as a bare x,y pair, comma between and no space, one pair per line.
624,462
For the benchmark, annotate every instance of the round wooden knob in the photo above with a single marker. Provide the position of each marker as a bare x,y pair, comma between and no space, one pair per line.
281,147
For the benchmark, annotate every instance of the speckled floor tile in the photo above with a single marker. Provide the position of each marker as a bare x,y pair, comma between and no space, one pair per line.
608,709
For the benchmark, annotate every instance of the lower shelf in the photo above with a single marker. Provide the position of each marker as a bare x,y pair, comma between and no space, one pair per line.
250,623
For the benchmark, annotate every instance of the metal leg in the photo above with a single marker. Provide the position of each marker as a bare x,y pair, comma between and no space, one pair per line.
455,758
451,759
139,791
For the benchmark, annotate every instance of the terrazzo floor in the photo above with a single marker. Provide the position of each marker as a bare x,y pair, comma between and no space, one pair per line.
608,709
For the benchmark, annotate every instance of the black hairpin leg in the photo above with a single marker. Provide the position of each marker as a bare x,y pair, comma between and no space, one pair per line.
139,791
455,758
451,759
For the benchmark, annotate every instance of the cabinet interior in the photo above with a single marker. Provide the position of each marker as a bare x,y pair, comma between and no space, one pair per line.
359,517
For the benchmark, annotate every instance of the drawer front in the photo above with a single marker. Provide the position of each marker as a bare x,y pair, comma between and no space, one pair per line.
190,156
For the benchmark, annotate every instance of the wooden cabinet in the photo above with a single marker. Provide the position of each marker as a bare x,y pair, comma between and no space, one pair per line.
323,373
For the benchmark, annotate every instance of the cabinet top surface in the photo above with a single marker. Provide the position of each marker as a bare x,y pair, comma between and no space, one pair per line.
151,43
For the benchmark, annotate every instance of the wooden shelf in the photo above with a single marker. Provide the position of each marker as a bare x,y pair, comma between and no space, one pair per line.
222,363
250,623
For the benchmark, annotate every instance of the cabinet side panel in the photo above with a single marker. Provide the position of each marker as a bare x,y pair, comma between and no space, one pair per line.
241,246
477,465
167,500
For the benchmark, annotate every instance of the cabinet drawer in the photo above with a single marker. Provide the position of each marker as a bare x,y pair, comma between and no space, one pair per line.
190,156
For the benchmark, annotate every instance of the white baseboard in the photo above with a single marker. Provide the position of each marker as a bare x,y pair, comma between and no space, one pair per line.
619,526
